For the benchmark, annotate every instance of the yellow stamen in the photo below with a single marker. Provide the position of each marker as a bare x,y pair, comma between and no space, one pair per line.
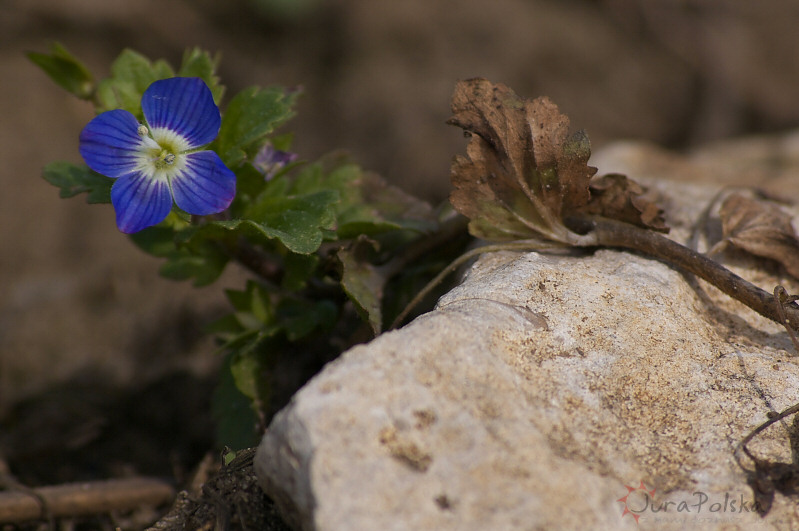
164,159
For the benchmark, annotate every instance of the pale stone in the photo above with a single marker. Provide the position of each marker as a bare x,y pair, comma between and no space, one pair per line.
537,391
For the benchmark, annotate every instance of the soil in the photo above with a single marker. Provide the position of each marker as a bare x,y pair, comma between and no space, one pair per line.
104,370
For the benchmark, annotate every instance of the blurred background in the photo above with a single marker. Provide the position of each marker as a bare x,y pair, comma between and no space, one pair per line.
79,302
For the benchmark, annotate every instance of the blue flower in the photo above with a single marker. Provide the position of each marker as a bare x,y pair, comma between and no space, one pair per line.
269,160
161,160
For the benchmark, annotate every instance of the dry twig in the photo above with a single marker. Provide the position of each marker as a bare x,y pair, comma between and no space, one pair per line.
75,499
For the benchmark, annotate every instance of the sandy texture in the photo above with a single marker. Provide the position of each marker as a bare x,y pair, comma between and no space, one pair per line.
536,392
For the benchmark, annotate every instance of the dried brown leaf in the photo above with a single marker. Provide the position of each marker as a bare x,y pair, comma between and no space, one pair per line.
522,169
617,197
762,229
524,173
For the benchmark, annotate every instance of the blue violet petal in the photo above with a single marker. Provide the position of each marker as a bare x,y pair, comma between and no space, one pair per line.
185,106
140,202
205,186
109,143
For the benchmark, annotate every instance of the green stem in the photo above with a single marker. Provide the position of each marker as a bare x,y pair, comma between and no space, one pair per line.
450,230
455,264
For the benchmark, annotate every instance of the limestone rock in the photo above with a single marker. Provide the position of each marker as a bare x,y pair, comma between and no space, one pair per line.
540,393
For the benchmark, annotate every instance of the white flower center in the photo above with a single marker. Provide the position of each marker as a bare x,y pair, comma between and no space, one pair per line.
162,153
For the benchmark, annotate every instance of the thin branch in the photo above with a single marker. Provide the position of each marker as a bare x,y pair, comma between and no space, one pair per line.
10,483
605,232
772,419
611,233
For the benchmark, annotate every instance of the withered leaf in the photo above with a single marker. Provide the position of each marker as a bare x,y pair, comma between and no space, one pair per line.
615,196
522,169
762,229
524,173
362,281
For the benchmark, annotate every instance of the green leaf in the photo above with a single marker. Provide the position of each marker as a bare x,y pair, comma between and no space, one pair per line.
299,317
300,223
73,179
131,74
233,413
226,328
249,185
299,269
368,204
157,241
258,233
204,265
65,70
241,299
199,63
260,305
383,208
253,319
202,261
363,282
247,368
249,118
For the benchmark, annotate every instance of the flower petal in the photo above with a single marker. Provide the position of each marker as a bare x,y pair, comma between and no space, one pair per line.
184,105
269,160
205,186
140,202
109,143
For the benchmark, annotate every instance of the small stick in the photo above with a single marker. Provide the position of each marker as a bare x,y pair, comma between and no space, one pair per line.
772,419
95,497
603,232
10,483
610,233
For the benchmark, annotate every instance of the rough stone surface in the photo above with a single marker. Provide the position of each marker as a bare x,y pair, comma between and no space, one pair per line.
538,390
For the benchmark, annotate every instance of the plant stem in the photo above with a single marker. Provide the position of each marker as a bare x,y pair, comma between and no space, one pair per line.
603,232
455,264
450,230
772,419
610,233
